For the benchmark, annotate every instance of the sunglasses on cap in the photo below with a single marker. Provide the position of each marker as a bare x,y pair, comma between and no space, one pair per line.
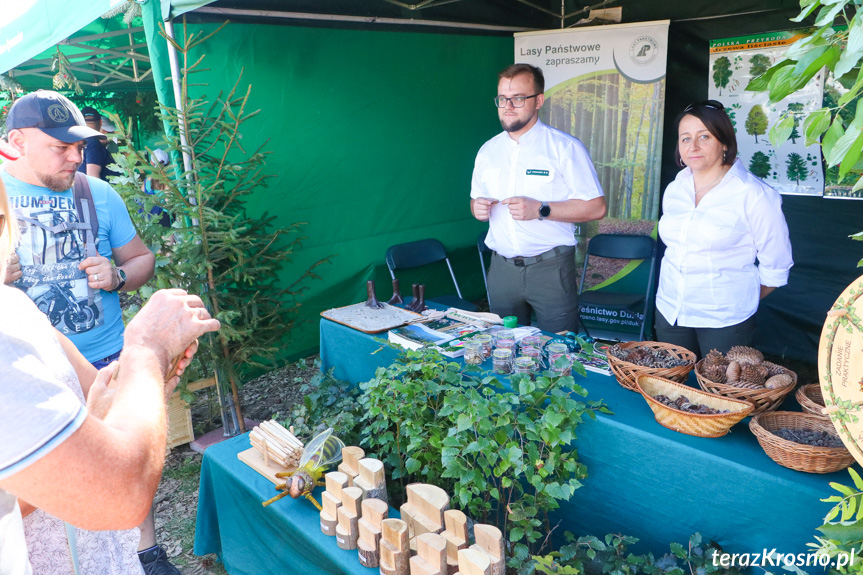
705,104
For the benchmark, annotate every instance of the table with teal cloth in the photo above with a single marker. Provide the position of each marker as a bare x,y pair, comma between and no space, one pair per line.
648,481
250,539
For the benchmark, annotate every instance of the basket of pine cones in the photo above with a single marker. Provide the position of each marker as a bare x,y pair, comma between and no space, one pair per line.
801,441
630,359
743,374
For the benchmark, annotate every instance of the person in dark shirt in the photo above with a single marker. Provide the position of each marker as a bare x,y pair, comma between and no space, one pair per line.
97,158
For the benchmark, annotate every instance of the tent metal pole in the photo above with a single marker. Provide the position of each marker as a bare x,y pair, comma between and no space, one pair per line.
175,81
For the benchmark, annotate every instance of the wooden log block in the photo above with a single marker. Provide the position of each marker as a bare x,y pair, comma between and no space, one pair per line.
394,547
374,511
489,540
331,500
424,509
473,562
351,456
372,479
347,530
431,555
455,533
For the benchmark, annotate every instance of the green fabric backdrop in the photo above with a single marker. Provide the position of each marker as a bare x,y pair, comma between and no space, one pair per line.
373,136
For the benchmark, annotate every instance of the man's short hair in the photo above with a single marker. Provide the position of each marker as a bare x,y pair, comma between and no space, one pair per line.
515,69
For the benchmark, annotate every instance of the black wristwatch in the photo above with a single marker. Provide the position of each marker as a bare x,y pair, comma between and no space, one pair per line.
544,210
122,276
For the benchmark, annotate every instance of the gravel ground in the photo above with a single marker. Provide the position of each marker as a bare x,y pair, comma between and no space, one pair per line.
273,393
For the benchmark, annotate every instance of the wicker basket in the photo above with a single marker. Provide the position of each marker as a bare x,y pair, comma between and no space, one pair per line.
626,373
698,424
795,455
763,399
810,399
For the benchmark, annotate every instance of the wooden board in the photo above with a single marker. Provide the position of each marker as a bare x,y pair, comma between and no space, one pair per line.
367,320
253,458
840,367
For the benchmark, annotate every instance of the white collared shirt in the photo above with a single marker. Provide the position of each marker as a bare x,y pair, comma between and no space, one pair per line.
709,276
545,164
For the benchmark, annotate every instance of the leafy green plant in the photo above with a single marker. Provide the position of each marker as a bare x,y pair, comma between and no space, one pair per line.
503,453
327,402
840,49
215,249
592,555
843,526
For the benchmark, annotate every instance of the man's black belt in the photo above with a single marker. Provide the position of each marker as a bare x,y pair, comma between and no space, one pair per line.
521,262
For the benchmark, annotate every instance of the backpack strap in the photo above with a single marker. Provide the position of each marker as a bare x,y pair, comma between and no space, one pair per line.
87,215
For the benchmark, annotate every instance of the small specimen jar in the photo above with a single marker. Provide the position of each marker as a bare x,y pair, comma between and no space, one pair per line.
502,361
505,343
534,353
504,334
485,341
530,341
525,365
560,363
473,352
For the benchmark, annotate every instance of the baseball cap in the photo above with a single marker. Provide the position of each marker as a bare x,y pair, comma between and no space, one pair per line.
90,113
52,113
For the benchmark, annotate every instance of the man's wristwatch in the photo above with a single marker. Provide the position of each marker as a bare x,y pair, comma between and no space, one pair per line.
121,275
544,210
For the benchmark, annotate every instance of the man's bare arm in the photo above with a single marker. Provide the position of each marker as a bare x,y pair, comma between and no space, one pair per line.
572,211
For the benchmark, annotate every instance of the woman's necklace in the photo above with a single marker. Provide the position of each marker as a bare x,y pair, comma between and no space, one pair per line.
711,184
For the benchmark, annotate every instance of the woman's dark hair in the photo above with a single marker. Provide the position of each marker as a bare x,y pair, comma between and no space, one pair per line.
712,115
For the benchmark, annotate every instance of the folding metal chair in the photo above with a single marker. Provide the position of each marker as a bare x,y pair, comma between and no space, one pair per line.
424,252
620,246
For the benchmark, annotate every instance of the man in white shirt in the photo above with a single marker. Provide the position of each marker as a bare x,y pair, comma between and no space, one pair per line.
531,183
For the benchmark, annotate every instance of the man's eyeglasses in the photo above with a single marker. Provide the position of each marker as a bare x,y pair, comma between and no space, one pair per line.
516,101
705,104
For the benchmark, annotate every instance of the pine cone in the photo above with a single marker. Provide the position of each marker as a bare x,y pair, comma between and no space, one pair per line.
743,354
732,372
754,374
777,381
773,369
716,358
746,385
715,373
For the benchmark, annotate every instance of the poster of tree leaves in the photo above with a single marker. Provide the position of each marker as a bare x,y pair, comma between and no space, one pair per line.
793,167
606,87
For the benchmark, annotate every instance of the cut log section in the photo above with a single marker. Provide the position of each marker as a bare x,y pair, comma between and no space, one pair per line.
351,456
490,541
473,562
374,512
455,533
394,547
331,500
431,555
372,479
424,509
347,530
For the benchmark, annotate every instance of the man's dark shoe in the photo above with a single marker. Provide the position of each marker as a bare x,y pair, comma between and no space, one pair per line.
155,562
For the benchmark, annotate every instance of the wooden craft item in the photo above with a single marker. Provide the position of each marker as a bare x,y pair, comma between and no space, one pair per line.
351,456
371,298
840,367
431,555
254,459
415,296
348,530
372,479
368,320
397,293
424,509
374,511
395,552
473,562
455,533
276,443
489,540
331,500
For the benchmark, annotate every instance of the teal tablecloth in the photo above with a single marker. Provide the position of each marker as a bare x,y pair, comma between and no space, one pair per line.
253,540
651,482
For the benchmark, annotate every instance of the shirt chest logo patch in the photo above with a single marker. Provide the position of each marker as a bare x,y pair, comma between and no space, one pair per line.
537,172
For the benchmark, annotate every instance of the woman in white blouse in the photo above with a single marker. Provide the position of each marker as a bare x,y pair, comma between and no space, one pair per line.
726,239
